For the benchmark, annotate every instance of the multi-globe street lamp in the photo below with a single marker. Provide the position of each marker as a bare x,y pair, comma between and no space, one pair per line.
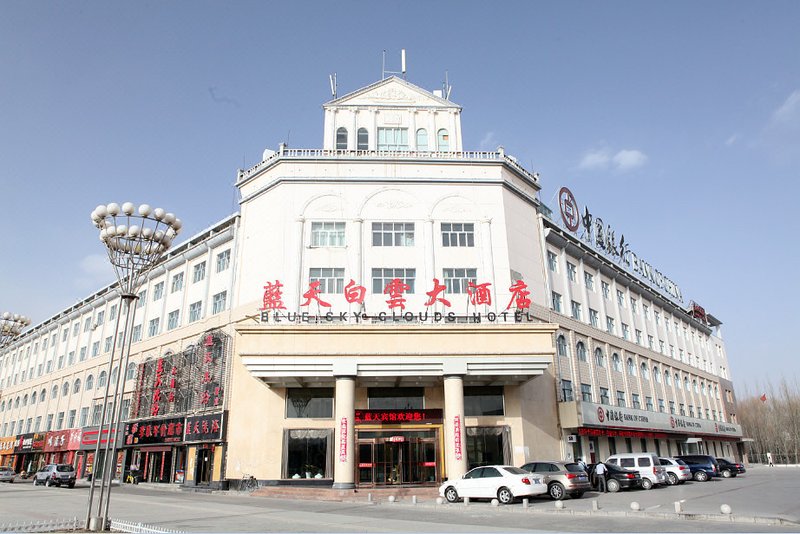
11,326
135,239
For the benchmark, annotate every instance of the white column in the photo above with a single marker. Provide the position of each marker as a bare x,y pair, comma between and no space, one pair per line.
412,130
301,249
358,272
352,142
430,256
455,444
344,457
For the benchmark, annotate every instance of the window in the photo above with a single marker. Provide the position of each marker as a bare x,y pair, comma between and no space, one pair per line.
393,234
458,234
101,382
672,407
667,378
76,387
561,346
661,347
113,313
158,291
620,299
657,317
107,344
390,398
604,396
137,333
599,357
646,310
691,411
633,305
576,310
89,382
142,296
572,271
638,337
152,327
218,304
552,261
626,332
130,374
87,324
422,139
327,234
621,399
594,318
556,299
610,325
588,279
75,328
645,372
656,375
60,362
70,359
38,424
661,407
566,391
393,139
307,452
648,403
71,418
331,279
195,311
616,362
95,349
586,392
101,316
309,403
60,421
362,139
581,350
606,288
199,272
82,354
650,342
382,277
84,416
682,409
341,138
172,319
177,283
483,400
65,389
635,402
457,280
64,334
631,367
443,140
97,413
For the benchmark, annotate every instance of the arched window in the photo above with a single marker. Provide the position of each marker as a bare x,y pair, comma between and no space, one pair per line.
89,382
656,374
101,381
631,367
363,139
16,402
42,395
645,373
616,362
341,139
33,398
114,373
54,392
25,400
686,384
561,346
77,387
581,349
694,386
667,379
599,358
443,141
65,389
422,139
131,374
716,392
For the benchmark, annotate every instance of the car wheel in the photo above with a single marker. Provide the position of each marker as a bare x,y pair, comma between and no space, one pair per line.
576,494
451,494
71,485
613,485
727,473
505,496
48,483
556,491
701,476
672,479
647,484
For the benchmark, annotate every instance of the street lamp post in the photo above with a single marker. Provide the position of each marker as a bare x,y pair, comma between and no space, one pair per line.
11,325
135,239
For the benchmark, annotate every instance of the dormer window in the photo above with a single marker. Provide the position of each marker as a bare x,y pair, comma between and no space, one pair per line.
422,140
341,139
394,139
363,139
443,141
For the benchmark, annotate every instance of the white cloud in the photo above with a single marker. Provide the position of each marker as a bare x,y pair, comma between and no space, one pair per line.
627,160
731,140
595,160
95,271
781,135
489,141
789,112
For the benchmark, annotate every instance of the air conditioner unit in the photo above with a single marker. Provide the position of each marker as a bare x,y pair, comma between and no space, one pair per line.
572,438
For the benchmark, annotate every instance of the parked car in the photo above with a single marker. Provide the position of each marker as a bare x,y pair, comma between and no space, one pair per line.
703,466
730,469
617,478
561,478
503,482
55,475
7,475
677,470
646,463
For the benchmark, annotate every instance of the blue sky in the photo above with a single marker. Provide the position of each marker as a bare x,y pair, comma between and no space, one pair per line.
678,122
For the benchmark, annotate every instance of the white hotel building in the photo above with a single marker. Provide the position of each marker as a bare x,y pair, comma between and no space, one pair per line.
309,345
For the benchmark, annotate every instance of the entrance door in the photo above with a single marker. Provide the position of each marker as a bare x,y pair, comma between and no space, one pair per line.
203,463
397,460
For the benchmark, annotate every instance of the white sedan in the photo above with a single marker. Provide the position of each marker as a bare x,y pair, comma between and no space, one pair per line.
503,482
7,474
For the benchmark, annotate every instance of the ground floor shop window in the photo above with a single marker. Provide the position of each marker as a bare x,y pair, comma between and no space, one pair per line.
488,445
307,453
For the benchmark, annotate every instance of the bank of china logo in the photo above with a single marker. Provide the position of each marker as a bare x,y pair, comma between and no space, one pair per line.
569,209
601,415
672,422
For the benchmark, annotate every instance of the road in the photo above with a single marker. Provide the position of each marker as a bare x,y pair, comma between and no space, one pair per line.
763,492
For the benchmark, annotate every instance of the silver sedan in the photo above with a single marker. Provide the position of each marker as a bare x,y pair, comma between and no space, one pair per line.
7,474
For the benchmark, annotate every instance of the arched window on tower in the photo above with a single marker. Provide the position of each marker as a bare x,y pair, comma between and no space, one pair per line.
341,138
443,141
422,140
561,346
581,349
363,139
599,357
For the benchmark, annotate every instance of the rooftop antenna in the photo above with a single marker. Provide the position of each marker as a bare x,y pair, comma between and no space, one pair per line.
402,72
332,78
446,87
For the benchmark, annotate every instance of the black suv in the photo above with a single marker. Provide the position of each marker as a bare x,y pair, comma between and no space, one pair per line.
703,466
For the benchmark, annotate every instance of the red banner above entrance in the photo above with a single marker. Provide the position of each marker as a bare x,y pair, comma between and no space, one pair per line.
382,417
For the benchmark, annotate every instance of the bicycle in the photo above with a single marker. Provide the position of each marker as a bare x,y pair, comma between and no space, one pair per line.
248,483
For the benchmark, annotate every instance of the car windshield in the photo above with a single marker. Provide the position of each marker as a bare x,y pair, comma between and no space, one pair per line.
64,468
574,468
515,470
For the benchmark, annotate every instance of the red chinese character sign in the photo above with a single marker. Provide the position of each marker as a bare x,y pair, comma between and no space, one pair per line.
519,296
273,296
434,293
395,289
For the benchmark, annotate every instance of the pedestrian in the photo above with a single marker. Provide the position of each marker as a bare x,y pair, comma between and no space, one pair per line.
769,459
600,472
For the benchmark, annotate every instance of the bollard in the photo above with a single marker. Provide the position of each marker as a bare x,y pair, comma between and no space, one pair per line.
413,499
525,502
595,505
495,502
439,500
369,497
725,509
466,501
678,507
559,505
392,498
635,506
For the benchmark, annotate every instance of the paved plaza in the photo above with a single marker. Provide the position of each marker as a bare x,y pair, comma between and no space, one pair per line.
763,500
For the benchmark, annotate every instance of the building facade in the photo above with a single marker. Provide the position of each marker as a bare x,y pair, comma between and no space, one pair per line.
388,309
